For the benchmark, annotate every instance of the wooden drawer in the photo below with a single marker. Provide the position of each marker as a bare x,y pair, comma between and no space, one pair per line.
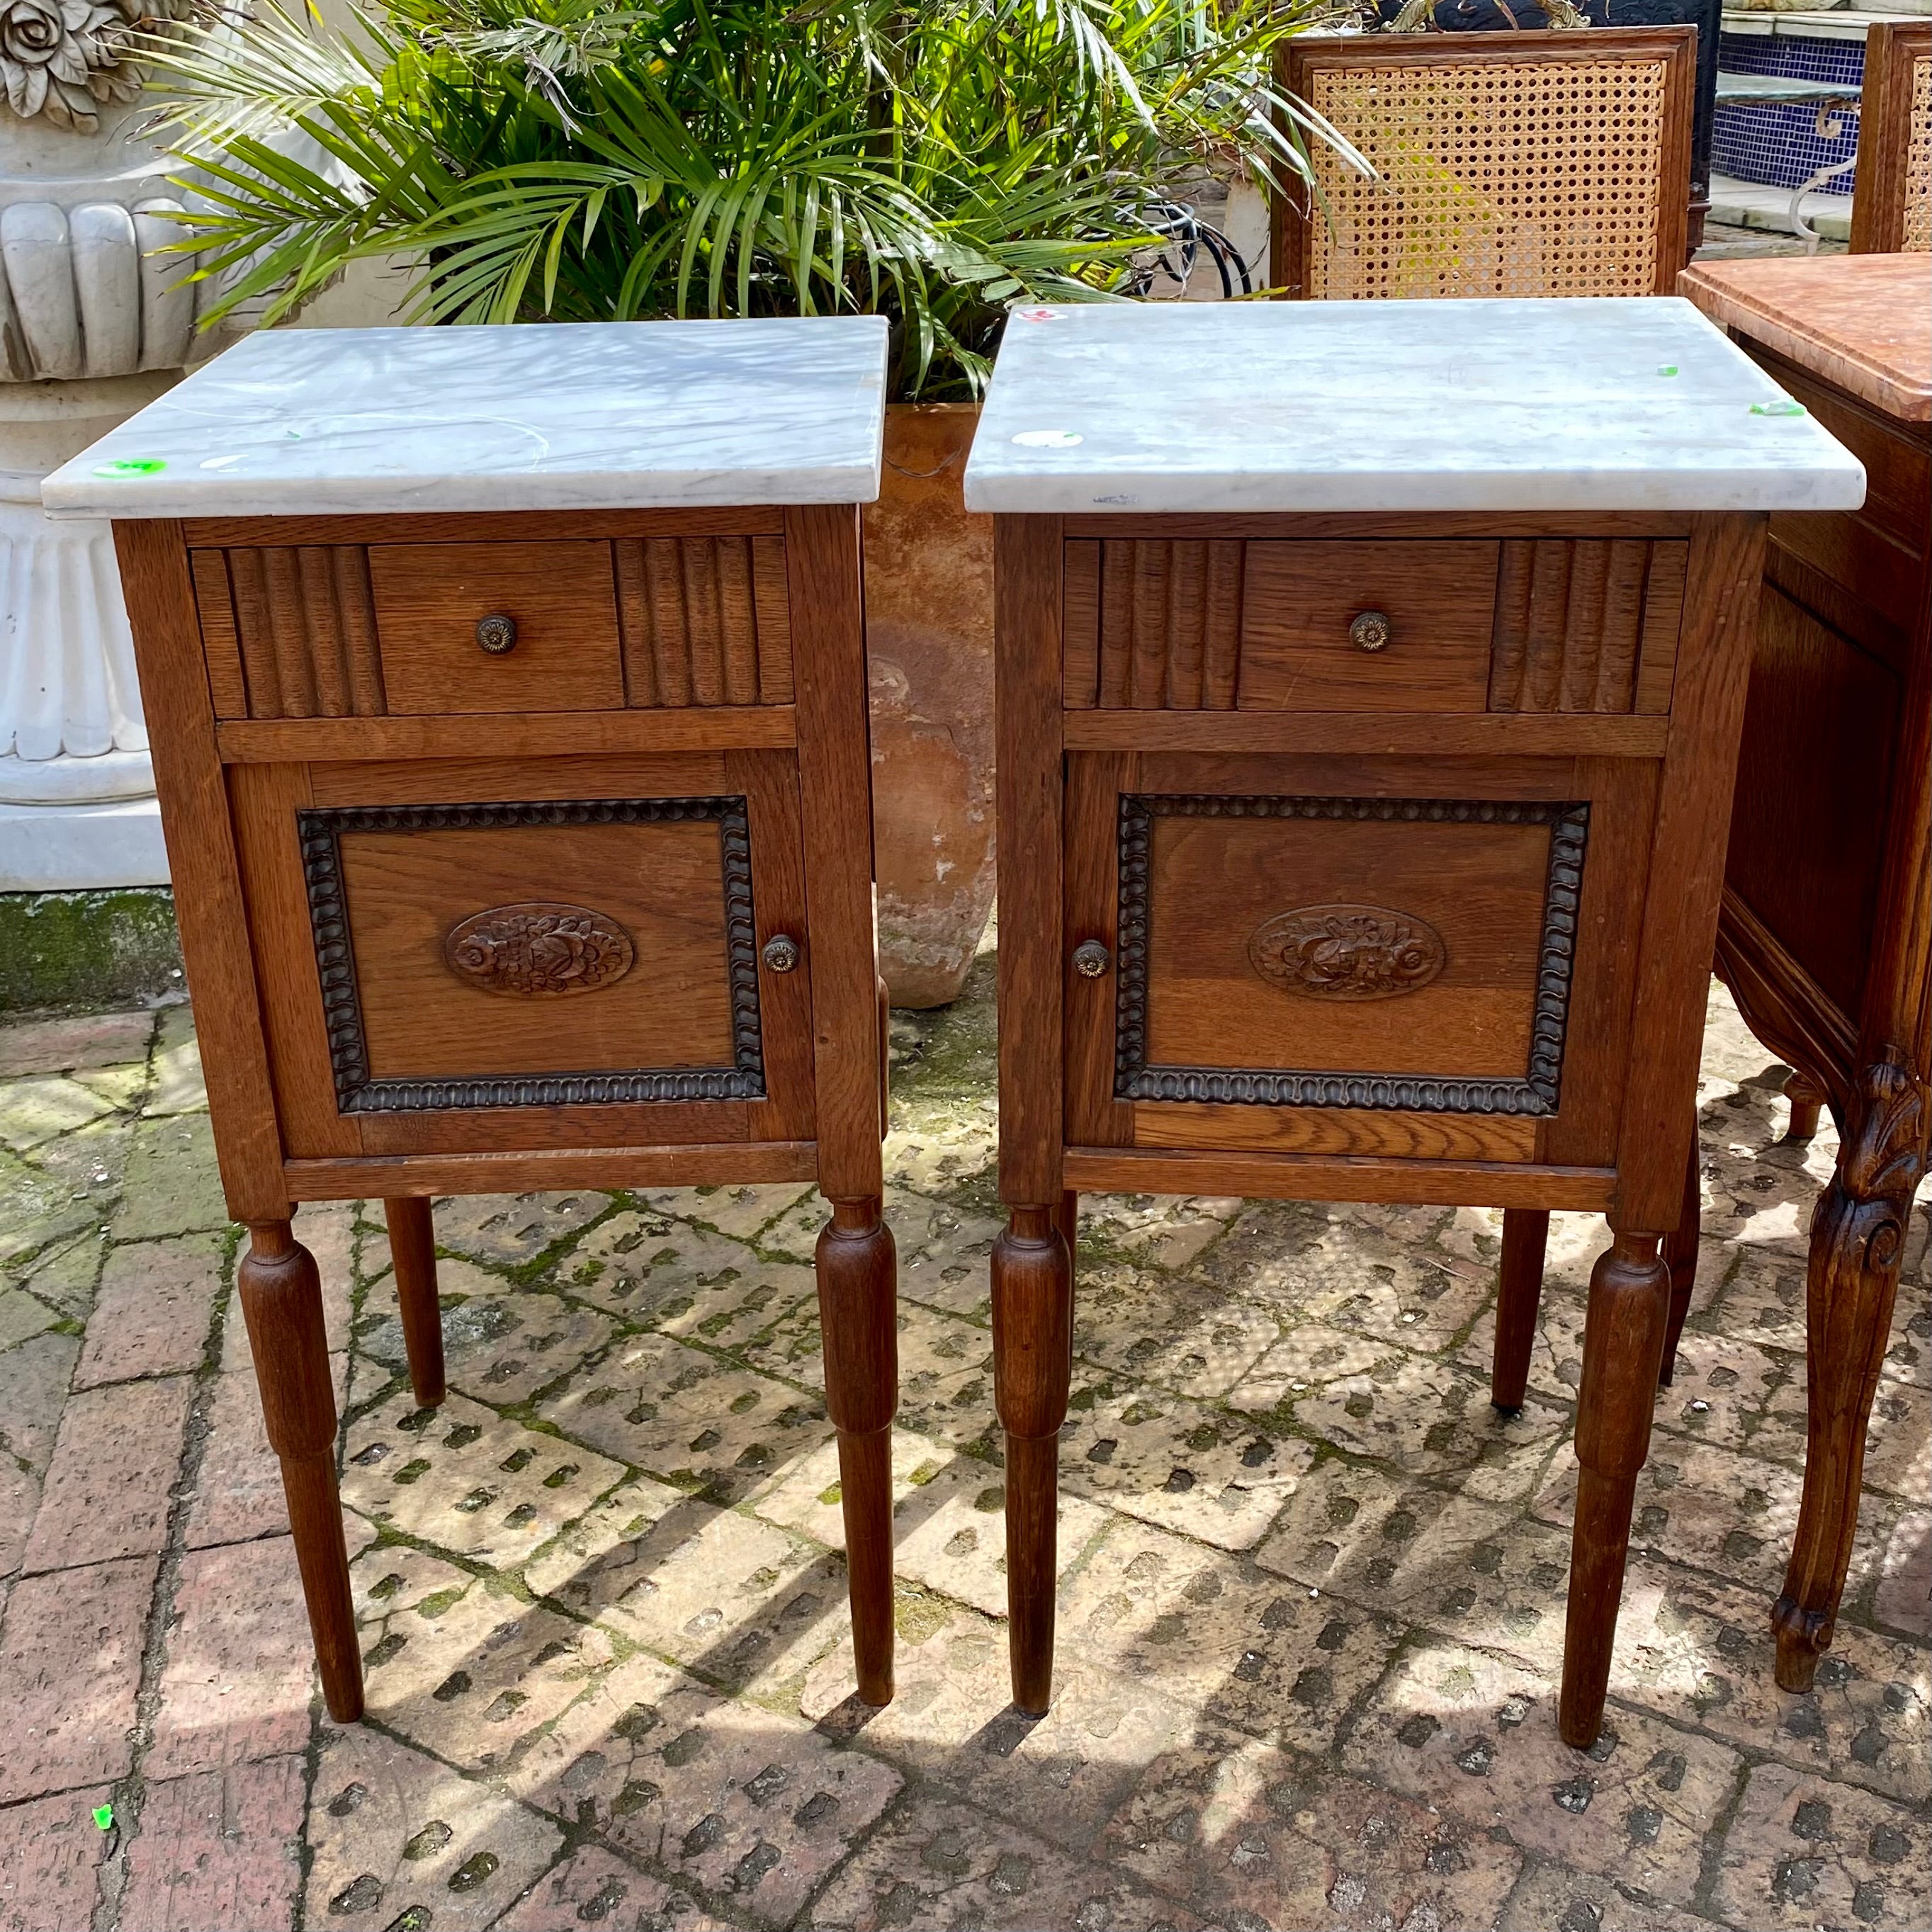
460,956
1345,956
1409,626
560,599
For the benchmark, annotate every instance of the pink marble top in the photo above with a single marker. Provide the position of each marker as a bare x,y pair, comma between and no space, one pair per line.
1861,322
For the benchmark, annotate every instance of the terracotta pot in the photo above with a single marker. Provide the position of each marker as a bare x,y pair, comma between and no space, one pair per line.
929,636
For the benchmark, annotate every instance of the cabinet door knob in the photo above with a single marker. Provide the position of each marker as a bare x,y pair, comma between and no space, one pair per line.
497,633
782,953
1371,631
1090,959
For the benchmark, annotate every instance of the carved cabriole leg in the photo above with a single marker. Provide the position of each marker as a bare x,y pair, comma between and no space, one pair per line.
1033,1344
1623,1343
1858,1241
413,1249
857,1286
281,1302
1680,1257
1806,1100
1518,1290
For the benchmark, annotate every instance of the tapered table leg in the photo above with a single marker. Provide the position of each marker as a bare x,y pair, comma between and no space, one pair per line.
858,1284
1680,1257
1858,1243
1623,1342
1033,1343
1518,1291
413,1249
281,1302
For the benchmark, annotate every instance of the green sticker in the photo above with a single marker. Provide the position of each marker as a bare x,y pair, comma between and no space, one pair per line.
1783,406
104,1816
1666,368
132,466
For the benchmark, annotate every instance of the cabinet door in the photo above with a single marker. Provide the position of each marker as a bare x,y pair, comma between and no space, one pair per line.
1397,957
537,953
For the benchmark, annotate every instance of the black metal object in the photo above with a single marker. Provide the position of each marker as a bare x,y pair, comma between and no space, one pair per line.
1479,17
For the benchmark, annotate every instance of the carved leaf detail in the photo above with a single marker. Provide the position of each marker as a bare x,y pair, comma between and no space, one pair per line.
1347,952
538,950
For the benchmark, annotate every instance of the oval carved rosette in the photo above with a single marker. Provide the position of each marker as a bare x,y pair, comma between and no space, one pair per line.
1350,953
537,949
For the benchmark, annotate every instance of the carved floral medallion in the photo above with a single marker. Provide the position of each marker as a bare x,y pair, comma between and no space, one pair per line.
1347,952
538,950
66,59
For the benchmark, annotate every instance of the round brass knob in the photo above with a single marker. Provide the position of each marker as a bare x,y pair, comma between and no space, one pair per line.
1371,631
1090,959
782,953
497,633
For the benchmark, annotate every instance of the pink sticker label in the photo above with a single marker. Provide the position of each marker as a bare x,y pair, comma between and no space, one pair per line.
1037,314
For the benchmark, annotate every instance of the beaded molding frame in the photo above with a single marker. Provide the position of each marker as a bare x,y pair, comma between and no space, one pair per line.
320,832
1537,1093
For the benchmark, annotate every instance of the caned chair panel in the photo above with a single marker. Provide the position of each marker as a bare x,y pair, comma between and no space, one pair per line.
1506,164
1891,210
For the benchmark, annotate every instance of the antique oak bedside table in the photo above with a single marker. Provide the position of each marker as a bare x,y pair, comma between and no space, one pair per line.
1369,683
507,694
1825,937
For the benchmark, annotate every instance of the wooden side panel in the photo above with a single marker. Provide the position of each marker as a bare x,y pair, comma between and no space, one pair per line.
1686,876
1153,624
828,628
704,620
1663,619
210,907
1332,1130
215,600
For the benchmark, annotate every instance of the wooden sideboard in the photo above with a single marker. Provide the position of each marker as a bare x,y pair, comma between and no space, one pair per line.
508,694
1366,746
1825,939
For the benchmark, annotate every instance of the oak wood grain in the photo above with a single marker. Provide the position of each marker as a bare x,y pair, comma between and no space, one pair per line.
729,1164
536,734
1376,734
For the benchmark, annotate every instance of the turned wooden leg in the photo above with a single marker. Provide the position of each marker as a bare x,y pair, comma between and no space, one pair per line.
1806,1100
1680,1257
858,1285
281,1302
1623,1342
1858,1241
413,1249
1518,1290
1033,1360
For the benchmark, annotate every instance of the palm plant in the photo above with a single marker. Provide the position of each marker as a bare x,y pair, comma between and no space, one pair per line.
606,159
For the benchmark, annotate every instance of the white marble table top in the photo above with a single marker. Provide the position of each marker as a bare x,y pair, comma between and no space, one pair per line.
1392,405
542,416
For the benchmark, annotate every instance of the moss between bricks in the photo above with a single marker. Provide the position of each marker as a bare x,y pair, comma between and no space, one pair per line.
87,949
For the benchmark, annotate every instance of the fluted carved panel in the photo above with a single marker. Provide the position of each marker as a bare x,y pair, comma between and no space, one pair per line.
1153,625
1585,625
705,619
303,625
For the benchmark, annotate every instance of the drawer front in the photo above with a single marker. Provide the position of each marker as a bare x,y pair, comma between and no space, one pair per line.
1342,970
560,653
1410,625
352,630
523,970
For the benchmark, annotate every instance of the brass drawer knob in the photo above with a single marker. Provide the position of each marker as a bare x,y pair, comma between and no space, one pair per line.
497,633
782,953
1090,959
1371,631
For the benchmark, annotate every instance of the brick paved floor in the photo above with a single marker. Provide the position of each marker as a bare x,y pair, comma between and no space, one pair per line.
1313,1587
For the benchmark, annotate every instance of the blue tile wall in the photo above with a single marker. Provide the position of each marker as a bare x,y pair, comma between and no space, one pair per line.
1780,145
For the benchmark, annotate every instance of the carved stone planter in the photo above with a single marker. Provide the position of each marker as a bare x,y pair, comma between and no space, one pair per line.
929,637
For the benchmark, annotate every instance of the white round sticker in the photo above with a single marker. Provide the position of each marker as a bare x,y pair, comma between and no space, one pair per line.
1049,439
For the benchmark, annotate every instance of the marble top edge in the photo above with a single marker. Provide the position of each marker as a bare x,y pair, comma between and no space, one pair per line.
1604,403
543,416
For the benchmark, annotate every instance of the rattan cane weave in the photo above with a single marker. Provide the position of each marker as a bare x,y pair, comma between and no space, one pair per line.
1917,238
1541,179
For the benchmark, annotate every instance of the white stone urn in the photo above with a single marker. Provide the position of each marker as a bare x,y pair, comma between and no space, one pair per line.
93,325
